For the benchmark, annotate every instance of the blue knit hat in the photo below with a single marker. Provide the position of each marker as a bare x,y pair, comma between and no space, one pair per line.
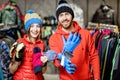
30,18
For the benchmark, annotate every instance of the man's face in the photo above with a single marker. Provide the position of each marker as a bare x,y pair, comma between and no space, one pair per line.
34,30
65,19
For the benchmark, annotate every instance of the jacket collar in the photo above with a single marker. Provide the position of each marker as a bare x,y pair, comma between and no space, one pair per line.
76,29
26,39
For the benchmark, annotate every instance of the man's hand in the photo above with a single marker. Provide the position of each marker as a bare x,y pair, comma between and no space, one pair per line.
67,64
71,43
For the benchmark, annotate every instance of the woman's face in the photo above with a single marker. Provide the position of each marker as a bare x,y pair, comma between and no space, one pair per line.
34,31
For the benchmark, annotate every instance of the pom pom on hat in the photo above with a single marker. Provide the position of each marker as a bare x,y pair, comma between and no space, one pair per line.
62,1
63,6
30,11
30,18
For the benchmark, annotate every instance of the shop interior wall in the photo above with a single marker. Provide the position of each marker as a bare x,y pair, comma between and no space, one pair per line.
48,7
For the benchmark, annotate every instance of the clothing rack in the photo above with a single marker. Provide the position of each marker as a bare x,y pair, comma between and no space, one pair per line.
113,28
107,43
92,25
101,26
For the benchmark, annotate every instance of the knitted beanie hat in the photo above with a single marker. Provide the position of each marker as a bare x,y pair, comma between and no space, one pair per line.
63,6
30,18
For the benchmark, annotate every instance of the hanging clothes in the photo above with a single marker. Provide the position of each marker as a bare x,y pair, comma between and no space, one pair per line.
5,61
109,53
1,73
107,56
104,14
115,71
10,14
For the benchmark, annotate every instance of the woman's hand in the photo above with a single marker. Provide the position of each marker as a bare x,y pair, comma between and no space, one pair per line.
14,66
44,59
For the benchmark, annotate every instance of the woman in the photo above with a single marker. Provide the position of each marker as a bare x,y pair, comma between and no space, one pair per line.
23,68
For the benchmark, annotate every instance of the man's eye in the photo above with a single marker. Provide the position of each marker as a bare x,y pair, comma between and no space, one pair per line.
61,15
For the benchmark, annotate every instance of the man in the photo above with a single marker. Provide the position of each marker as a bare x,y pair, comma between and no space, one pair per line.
79,44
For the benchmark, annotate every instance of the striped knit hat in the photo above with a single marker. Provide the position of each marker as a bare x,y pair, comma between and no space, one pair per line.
63,6
30,18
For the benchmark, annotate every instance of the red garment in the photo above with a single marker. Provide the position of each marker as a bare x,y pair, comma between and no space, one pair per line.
2,6
83,55
95,34
25,70
103,33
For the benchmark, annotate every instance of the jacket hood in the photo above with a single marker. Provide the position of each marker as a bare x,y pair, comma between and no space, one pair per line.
76,29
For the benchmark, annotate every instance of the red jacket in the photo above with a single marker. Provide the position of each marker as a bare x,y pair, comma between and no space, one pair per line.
83,55
25,70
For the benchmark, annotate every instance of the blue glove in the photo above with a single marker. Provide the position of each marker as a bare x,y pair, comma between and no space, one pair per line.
67,64
51,55
71,43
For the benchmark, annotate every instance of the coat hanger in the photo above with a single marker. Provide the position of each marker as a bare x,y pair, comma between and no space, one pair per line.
92,25
113,28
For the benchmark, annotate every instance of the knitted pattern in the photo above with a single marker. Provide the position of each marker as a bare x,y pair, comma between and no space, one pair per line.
30,18
63,6
37,63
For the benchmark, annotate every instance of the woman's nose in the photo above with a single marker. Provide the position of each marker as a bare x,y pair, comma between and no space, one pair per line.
35,27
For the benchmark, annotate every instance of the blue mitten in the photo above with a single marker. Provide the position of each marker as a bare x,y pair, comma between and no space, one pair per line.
51,55
67,64
71,43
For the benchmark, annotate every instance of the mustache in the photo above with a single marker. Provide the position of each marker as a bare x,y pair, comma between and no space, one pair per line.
65,20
